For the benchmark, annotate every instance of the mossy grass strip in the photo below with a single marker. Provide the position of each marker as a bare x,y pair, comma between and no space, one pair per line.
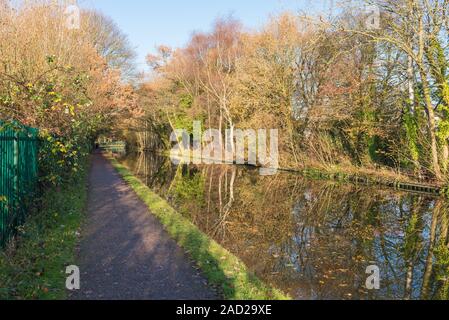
222,269
34,264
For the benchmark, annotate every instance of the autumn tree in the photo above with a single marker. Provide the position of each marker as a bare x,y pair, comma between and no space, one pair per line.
340,92
57,79
419,30
204,70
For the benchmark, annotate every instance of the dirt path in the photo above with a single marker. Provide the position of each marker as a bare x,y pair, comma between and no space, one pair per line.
125,252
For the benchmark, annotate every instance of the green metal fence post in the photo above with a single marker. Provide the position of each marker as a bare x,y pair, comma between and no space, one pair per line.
18,175
16,179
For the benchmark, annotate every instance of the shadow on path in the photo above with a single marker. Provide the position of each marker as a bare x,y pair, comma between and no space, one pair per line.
126,253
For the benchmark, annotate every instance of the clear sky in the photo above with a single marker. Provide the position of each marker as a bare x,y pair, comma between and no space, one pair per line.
149,23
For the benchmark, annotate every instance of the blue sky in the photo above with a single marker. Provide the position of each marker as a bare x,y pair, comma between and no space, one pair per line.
149,23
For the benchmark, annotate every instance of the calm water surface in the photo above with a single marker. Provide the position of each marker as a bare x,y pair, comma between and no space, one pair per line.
312,239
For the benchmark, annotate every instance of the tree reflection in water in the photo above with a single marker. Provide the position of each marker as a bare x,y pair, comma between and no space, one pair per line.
312,239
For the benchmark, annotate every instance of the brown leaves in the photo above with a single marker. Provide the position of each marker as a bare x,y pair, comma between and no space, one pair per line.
84,85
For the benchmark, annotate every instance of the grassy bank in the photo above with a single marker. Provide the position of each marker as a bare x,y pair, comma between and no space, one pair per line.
223,269
33,267
364,178
381,177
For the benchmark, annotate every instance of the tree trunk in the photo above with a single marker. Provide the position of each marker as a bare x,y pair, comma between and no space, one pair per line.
411,84
432,127
445,157
429,261
428,100
231,141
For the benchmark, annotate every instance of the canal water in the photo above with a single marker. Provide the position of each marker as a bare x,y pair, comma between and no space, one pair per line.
312,239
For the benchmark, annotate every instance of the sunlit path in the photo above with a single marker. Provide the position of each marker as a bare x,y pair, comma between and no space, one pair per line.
125,253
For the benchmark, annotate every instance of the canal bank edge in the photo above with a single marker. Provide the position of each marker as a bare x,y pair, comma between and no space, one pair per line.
222,269
357,177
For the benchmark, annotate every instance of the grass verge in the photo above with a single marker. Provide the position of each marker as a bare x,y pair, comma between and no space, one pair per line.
222,268
33,266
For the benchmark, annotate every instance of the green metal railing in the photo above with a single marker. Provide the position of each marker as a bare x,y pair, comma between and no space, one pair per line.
18,175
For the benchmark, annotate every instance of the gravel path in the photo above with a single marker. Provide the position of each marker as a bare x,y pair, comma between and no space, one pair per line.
125,253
